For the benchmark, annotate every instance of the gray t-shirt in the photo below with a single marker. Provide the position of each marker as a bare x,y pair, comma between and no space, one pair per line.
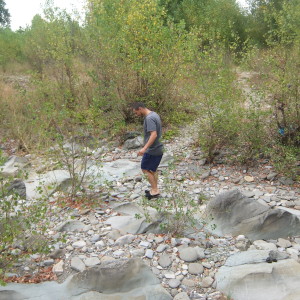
152,122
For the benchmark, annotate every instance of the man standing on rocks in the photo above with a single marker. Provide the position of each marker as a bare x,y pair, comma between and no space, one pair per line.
152,151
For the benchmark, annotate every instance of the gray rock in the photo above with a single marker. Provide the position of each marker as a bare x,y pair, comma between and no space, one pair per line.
251,257
46,184
286,181
271,176
120,279
58,268
18,187
149,253
71,226
95,238
284,243
13,166
195,269
79,244
182,296
174,283
200,252
235,214
137,252
278,280
188,254
77,264
262,245
59,253
161,248
120,276
145,244
188,282
207,282
165,261
48,262
134,143
114,234
91,261
124,240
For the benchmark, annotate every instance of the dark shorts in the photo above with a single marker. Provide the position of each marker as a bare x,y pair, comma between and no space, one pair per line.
150,162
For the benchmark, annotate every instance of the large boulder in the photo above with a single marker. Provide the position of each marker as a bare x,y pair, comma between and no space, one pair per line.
17,187
233,213
133,220
248,277
111,171
134,143
46,184
124,279
14,165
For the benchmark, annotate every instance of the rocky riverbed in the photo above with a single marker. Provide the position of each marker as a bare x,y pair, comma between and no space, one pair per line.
200,264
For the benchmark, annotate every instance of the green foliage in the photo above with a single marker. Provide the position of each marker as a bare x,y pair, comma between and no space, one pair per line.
214,19
219,101
21,223
10,47
4,14
177,210
139,51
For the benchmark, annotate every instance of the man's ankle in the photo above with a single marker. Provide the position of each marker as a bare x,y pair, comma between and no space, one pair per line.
154,192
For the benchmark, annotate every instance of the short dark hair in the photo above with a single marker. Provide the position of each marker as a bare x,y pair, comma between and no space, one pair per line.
137,105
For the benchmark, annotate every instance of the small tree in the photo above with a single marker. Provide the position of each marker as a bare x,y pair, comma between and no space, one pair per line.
4,15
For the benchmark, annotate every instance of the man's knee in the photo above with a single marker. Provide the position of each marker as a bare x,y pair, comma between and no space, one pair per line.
147,172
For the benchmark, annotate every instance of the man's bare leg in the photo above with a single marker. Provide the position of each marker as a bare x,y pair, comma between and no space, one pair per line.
153,180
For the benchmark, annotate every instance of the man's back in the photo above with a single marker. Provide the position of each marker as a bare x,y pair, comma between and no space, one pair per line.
152,122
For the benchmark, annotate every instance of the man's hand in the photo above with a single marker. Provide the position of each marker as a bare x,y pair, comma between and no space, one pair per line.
142,152
153,136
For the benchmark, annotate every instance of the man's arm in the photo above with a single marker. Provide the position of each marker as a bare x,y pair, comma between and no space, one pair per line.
152,138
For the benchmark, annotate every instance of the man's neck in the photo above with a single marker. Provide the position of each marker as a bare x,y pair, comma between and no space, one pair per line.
147,112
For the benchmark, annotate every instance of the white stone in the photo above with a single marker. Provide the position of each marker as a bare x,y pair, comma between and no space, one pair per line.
79,244
58,268
262,245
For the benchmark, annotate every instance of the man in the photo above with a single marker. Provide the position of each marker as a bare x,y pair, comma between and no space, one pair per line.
152,151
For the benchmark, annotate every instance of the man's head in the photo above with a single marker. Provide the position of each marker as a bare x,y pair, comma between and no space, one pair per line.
139,108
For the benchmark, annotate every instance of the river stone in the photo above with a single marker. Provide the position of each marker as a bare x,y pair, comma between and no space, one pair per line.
46,184
195,269
165,261
134,143
233,213
112,170
71,226
253,257
278,280
77,264
119,276
124,240
161,248
262,245
13,165
249,178
174,283
18,187
57,268
79,244
188,254
207,282
58,253
149,253
128,224
119,279
188,282
91,261
284,243
182,296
